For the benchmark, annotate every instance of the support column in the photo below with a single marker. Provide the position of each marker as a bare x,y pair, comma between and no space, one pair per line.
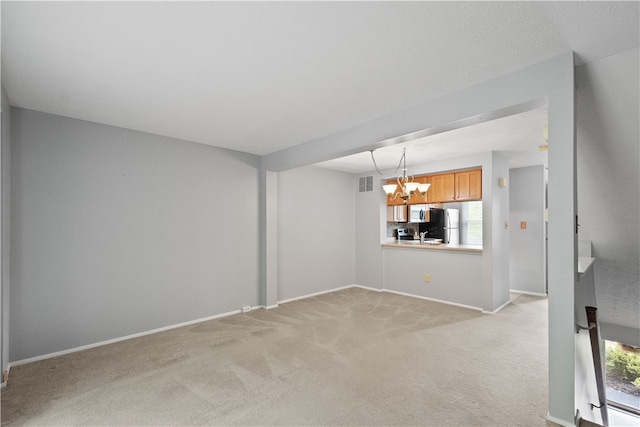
269,239
562,253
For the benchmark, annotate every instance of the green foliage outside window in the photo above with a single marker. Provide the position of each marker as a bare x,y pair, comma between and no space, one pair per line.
623,362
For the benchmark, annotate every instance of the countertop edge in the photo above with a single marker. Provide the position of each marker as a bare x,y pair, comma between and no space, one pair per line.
431,247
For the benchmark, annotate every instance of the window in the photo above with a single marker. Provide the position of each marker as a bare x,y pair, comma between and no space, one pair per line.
471,219
623,376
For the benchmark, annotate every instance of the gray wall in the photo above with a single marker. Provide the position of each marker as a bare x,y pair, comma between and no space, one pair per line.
608,181
512,93
497,284
370,225
521,90
527,246
454,275
116,232
316,244
5,203
483,280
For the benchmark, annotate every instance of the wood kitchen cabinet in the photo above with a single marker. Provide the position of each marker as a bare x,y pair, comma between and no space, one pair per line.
442,188
417,197
398,200
468,185
445,187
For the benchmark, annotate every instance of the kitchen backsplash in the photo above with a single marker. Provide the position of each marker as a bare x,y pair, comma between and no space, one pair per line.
393,226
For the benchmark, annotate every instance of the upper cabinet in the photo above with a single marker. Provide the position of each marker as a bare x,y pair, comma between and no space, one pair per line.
469,185
417,197
442,188
445,188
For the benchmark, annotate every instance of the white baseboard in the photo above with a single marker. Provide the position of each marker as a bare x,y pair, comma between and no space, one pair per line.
141,334
230,313
381,290
497,309
367,288
314,294
115,340
535,294
469,307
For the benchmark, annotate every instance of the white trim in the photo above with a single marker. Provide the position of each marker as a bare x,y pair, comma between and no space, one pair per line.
559,421
619,333
382,290
115,340
434,300
3,385
230,313
315,294
535,294
497,309
368,288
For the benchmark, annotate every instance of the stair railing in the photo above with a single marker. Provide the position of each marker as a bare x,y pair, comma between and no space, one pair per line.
598,367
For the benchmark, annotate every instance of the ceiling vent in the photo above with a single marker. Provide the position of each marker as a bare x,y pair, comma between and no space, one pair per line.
365,184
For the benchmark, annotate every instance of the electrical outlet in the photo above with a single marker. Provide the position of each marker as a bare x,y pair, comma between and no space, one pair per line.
427,277
246,309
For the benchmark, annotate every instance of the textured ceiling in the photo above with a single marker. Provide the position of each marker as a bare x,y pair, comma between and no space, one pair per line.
517,138
263,76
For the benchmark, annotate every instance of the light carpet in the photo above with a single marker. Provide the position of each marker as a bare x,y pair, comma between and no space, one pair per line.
346,358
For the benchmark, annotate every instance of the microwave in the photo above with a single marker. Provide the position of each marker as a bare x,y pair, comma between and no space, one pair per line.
419,213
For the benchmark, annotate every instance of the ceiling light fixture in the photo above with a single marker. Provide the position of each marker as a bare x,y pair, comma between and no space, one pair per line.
408,186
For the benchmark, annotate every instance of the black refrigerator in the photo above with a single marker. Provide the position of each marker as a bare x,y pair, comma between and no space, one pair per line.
435,226
443,224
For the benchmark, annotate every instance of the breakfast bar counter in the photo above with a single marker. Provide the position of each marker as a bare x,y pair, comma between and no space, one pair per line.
415,244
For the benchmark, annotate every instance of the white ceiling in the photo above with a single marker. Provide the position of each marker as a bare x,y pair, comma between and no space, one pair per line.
517,138
263,76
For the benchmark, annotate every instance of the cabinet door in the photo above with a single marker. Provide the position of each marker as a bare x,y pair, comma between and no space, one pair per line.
397,213
417,197
398,200
442,188
401,213
469,185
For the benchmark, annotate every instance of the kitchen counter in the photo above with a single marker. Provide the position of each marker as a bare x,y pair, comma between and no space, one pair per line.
415,244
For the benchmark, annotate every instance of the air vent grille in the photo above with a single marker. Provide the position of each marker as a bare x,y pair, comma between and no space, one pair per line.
365,184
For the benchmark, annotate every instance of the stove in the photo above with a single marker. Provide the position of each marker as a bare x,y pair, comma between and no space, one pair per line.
405,234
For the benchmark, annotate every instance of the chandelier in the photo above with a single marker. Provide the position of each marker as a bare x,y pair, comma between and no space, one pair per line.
406,183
